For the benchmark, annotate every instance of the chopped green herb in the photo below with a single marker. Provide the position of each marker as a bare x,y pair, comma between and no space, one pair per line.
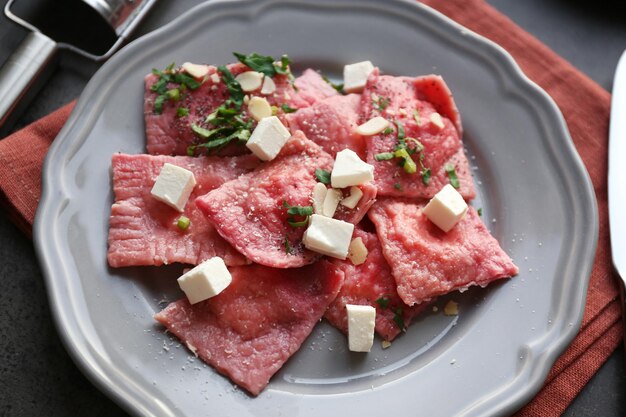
166,78
337,87
419,147
397,186
173,94
200,131
405,160
256,62
302,211
287,245
295,223
383,302
283,68
266,64
183,222
233,86
227,120
399,319
454,180
158,103
322,176
298,210
425,173
288,109
380,103
416,116
182,111
388,131
480,211
384,156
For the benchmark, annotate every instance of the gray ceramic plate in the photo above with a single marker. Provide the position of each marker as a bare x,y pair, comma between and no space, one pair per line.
534,192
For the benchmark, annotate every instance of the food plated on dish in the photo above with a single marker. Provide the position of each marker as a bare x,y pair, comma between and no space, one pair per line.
297,199
533,191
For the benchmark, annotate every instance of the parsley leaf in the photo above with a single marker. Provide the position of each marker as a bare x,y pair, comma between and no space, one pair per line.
233,86
454,180
383,302
287,109
380,103
182,111
399,319
287,246
298,210
302,211
322,176
480,211
259,63
266,64
337,87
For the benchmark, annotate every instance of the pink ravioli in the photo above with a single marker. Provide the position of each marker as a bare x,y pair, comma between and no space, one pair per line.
250,330
311,88
427,262
170,134
402,100
249,212
433,89
371,283
330,123
144,231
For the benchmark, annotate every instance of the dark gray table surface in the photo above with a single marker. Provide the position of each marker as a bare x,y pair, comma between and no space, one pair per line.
38,378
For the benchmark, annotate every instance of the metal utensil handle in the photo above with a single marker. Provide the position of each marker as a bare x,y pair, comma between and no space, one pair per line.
22,74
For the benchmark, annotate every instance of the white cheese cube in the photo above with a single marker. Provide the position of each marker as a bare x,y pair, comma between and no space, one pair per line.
259,108
173,186
361,324
331,201
355,76
268,138
446,208
269,86
250,80
319,194
353,199
357,251
373,126
195,70
206,280
349,170
328,236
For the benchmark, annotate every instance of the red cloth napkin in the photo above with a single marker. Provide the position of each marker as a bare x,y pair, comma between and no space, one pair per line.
575,94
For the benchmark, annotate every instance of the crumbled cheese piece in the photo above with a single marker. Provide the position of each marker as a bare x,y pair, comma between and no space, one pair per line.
357,251
206,280
385,344
355,76
328,236
215,77
353,199
269,86
268,138
435,118
451,308
331,201
349,170
373,126
195,70
250,80
446,208
319,194
259,108
173,186
361,324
